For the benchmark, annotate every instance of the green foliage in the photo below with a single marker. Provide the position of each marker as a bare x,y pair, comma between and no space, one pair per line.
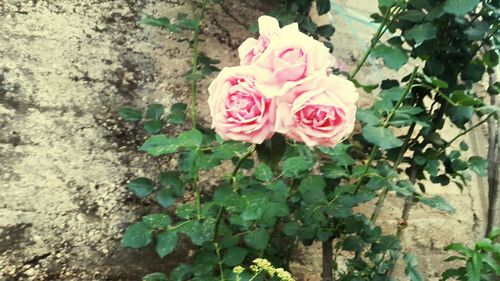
130,114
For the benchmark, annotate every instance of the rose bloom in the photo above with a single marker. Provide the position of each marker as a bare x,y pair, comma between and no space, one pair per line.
239,111
319,111
290,58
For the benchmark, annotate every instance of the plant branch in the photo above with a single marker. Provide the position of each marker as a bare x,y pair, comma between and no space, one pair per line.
327,273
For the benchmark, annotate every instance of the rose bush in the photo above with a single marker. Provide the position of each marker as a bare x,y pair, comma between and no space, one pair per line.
283,77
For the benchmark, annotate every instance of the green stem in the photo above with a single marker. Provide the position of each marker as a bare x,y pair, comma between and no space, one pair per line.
197,197
380,31
217,251
238,164
385,125
194,64
465,132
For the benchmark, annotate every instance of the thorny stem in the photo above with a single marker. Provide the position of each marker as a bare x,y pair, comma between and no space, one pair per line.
381,30
194,65
197,197
385,125
217,251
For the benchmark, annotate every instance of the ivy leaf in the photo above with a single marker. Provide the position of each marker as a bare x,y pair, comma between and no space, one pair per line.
235,256
478,165
159,145
257,239
421,33
130,114
153,126
141,187
393,57
459,7
156,276
382,137
437,202
323,6
295,166
411,269
138,235
155,221
165,243
155,111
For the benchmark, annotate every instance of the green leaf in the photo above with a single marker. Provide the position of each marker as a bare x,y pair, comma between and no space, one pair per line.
437,202
459,248
164,197
312,189
478,165
155,221
186,23
295,166
326,30
199,232
463,146
185,211
235,256
130,114
158,145
190,139
459,7
474,267
181,272
138,235
257,239
460,115
291,228
254,207
461,98
473,71
411,269
394,57
421,33
157,276
332,171
263,172
367,116
177,113
153,126
155,111
323,6
382,137
142,187
160,22
165,243
271,150
490,58
412,15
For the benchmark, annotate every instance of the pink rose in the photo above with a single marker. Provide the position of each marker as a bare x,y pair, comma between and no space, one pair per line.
291,57
239,111
251,49
320,110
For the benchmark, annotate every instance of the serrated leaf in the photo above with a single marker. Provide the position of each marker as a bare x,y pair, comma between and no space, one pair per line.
460,7
263,172
141,187
295,166
421,33
138,235
158,145
130,114
190,139
382,137
165,243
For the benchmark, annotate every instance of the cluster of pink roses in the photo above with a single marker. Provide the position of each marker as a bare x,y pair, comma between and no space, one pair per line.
283,86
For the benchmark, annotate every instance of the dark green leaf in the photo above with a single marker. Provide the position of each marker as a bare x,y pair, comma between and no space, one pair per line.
199,232
177,113
157,220
181,272
291,228
165,198
130,114
153,126
474,267
295,166
257,239
394,57
421,33
479,165
138,235
367,116
312,189
411,269
142,187
190,139
323,6
159,145
461,98
332,171
460,7
490,58
412,15
271,150
160,22
185,211
155,111
263,172
184,22
460,115
382,137
165,243
235,256
157,276
437,202
473,71
326,30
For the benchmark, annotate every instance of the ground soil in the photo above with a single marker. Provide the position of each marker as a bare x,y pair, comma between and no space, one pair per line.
65,157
